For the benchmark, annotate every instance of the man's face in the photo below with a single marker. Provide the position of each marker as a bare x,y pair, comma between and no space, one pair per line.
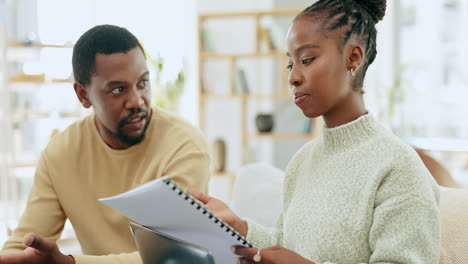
119,92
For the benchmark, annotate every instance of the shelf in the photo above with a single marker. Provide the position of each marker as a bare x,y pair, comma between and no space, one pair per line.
24,165
214,55
247,96
44,115
24,78
282,136
16,44
276,12
264,60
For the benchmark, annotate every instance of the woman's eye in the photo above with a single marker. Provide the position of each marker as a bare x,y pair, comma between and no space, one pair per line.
289,66
118,90
307,61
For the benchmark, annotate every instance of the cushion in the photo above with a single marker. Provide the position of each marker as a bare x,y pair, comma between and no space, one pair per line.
258,193
454,210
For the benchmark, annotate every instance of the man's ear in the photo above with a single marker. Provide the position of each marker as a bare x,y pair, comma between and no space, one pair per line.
355,56
82,94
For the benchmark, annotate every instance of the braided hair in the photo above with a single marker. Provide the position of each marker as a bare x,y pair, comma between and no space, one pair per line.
352,17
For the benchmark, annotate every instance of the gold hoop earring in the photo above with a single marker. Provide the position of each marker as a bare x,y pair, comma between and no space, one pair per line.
352,72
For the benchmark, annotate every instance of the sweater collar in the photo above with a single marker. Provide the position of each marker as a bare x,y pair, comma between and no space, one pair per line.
350,134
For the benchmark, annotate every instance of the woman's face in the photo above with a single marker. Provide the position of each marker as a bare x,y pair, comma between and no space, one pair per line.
318,71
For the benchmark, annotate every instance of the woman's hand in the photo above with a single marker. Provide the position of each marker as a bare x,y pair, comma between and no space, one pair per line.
222,211
272,255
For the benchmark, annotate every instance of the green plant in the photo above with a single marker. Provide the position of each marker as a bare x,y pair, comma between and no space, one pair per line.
165,94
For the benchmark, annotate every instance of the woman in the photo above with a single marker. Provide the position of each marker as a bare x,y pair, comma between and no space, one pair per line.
356,194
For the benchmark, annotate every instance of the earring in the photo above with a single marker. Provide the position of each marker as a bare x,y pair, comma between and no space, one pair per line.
257,257
352,72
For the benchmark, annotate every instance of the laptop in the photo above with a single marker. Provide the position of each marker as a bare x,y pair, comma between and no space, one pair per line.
158,248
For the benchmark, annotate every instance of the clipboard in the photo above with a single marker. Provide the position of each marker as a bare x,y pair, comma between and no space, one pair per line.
162,206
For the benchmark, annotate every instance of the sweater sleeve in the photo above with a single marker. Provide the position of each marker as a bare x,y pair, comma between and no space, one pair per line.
263,237
406,226
42,198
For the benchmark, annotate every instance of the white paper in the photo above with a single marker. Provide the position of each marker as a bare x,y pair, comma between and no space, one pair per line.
157,206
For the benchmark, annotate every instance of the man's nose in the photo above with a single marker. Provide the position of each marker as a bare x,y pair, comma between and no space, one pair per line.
135,100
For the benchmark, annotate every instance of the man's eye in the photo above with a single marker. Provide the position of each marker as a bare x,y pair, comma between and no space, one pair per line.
143,83
117,90
307,61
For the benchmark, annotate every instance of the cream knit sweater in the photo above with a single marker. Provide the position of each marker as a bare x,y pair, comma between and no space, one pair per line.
357,194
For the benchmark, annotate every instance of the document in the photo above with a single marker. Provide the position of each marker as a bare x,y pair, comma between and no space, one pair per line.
162,206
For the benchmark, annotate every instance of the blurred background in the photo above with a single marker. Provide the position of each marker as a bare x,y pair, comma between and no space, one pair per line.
221,65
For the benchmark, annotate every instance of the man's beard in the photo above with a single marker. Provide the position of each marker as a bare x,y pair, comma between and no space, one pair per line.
131,140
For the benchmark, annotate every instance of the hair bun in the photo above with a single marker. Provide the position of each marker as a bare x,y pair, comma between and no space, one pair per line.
376,8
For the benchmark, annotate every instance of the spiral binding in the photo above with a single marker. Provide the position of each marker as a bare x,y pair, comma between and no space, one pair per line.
211,216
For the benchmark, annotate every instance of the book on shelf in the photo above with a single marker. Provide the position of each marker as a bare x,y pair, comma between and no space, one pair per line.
164,207
206,86
266,39
207,41
240,82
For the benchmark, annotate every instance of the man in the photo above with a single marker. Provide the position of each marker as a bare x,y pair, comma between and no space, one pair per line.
123,144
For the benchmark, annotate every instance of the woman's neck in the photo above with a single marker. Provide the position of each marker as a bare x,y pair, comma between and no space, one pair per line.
346,111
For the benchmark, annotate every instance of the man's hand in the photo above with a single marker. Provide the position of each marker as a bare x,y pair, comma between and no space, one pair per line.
272,255
40,250
222,211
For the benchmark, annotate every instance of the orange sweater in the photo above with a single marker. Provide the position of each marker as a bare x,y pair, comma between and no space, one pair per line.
77,168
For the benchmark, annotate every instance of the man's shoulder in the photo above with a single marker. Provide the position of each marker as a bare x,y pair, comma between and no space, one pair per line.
174,128
70,139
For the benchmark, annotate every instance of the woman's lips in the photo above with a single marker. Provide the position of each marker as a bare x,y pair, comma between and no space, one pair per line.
300,98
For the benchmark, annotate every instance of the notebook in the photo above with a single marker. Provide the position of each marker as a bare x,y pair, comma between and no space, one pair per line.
158,248
162,206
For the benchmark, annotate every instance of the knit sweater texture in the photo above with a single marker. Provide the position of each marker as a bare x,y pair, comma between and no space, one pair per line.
357,194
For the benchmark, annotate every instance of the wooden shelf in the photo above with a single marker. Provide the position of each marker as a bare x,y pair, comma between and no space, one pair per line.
17,44
24,78
276,12
282,136
23,165
44,115
264,49
214,55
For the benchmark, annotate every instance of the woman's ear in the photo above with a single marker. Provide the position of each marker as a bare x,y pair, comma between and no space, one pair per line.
82,94
355,57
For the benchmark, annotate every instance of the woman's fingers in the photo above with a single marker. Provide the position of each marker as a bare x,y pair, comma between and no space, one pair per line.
200,196
246,252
